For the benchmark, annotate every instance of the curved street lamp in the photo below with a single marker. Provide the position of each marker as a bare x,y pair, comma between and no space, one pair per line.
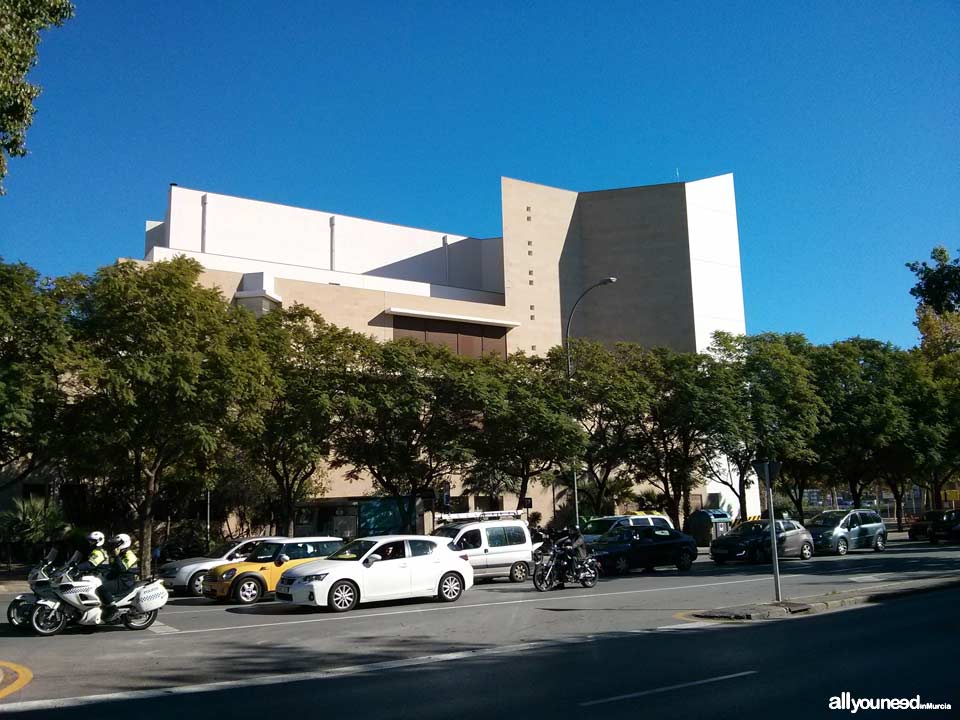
566,344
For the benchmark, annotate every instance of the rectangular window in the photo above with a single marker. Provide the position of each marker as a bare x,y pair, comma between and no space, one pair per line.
515,536
496,537
419,548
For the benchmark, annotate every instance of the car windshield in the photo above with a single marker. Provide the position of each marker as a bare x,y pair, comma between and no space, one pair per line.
446,531
750,528
598,527
828,519
264,552
353,550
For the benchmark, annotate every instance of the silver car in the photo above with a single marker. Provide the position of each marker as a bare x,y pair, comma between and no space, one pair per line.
185,577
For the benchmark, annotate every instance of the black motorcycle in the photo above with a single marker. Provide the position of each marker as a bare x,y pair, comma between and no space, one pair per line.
560,561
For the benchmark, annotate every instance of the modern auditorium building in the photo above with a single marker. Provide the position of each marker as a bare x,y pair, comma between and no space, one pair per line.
674,249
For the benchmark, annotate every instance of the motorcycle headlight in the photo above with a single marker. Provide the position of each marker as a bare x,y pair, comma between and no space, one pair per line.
314,578
229,574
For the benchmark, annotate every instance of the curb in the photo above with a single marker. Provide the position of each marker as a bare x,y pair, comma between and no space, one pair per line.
14,588
823,603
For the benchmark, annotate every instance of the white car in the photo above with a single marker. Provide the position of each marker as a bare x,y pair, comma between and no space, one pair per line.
185,577
371,569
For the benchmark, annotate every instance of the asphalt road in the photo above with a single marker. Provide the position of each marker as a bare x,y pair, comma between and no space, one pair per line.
506,646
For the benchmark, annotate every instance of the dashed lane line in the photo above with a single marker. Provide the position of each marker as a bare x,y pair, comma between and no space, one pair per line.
667,688
160,628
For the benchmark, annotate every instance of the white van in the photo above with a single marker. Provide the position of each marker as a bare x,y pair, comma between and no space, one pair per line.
496,546
602,525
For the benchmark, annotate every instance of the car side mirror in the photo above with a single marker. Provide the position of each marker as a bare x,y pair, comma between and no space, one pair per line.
281,560
372,559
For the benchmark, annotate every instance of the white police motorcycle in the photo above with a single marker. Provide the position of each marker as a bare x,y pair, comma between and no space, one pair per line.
18,611
76,601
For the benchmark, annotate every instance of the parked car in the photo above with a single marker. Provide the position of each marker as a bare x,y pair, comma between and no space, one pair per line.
600,525
250,580
185,577
919,528
837,531
943,529
750,541
495,548
371,569
625,547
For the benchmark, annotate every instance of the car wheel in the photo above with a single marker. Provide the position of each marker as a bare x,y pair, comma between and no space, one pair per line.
450,588
343,596
621,566
248,591
519,572
806,551
195,585
684,561
842,546
880,544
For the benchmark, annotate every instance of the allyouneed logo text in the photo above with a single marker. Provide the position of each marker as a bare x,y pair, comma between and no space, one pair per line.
845,701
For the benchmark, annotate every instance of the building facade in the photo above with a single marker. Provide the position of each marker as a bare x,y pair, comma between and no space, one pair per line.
674,249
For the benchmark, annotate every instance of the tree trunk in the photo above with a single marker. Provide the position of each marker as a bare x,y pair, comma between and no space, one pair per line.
522,492
742,495
146,531
855,492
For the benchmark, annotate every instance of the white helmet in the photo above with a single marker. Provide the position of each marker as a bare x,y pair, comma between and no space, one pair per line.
95,539
121,541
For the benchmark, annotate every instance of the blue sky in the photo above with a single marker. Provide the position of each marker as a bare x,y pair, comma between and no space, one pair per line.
840,122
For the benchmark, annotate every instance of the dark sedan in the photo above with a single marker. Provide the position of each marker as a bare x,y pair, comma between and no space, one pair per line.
918,528
945,528
626,547
750,541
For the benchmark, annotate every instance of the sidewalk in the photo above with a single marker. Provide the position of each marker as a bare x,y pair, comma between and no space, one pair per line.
14,587
830,601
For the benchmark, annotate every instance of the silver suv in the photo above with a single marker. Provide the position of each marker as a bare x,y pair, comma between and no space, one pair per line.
838,531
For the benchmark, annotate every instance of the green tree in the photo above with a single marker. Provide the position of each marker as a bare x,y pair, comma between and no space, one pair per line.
673,443
768,408
165,368
608,397
525,430
33,520
33,346
938,285
292,438
21,22
408,417
856,379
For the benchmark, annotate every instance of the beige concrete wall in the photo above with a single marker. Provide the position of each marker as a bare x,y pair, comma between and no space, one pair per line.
539,230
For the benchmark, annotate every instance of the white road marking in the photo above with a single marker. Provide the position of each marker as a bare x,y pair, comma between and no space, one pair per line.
454,607
162,629
865,579
688,625
60,703
667,688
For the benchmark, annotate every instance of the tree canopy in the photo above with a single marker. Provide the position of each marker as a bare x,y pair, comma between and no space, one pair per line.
21,22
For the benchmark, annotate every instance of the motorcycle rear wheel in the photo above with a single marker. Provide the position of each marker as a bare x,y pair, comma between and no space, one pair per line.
140,621
589,578
46,622
18,614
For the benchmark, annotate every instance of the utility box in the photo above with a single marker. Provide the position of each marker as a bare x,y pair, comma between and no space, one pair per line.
706,525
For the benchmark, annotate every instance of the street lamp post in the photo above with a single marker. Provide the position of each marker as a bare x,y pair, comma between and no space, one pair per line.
770,470
566,344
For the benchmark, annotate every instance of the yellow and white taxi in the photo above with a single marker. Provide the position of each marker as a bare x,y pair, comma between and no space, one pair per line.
248,581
